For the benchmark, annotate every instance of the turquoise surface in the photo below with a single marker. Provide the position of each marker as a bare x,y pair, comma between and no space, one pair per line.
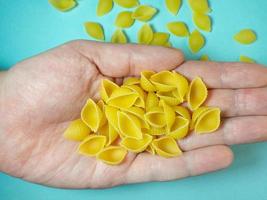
30,27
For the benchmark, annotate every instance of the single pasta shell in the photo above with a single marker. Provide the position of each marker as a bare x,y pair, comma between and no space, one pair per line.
246,59
197,93
112,116
246,36
144,13
178,28
173,6
145,82
182,86
63,5
196,114
77,130
145,34
130,125
151,100
140,102
104,7
155,117
164,81
204,58
166,147
138,112
201,6
135,145
122,98
112,155
92,145
127,3
131,81
180,128
124,19
160,38
169,98
196,41
119,37
169,114
95,30
107,88
202,21
92,115
183,112
209,121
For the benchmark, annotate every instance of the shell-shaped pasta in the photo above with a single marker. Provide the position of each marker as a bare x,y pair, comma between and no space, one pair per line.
182,86
169,114
138,112
112,116
107,88
156,131
109,131
202,21
196,41
122,98
145,82
173,6
155,117
204,57
169,98
130,125
92,115
127,3
92,145
168,44
77,130
144,13
246,59
164,81
119,37
95,30
160,38
112,155
150,149
209,121
63,5
196,114
124,19
104,7
131,81
140,102
151,100
166,147
182,111
246,36
101,105
135,145
178,28
145,34
201,6
180,128
197,93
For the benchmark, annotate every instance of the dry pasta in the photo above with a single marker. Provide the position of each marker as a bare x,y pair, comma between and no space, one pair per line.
124,19
63,5
173,6
145,34
246,59
119,37
104,7
196,41
144,13
95,30
178,28
160,38
202,21
246,36
127,3
143,114
200,6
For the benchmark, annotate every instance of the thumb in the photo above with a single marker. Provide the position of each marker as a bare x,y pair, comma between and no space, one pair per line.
120,60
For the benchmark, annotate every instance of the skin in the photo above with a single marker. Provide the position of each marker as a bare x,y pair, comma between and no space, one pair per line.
41,95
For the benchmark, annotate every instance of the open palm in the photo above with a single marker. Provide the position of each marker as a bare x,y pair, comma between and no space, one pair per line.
41,95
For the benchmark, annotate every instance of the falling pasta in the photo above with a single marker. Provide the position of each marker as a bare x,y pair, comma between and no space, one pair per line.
144,114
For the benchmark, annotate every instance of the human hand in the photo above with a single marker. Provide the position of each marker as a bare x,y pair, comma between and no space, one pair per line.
41,95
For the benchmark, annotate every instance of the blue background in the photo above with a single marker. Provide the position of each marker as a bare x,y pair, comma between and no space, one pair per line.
32,26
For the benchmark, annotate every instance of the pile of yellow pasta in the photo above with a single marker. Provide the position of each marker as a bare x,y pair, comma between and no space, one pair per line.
149,113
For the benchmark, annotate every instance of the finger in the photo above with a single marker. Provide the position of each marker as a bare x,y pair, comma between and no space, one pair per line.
236,130
154,168
226,75
239,102
119,60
